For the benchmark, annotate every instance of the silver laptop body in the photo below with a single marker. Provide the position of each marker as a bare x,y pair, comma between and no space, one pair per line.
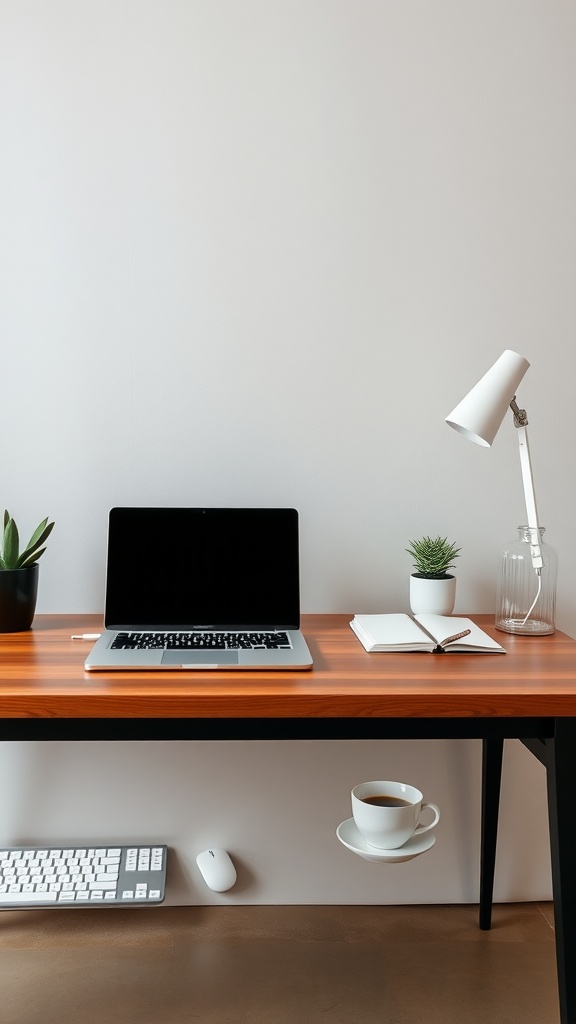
202,588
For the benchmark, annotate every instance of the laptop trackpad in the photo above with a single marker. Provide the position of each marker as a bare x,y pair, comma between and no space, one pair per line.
199,658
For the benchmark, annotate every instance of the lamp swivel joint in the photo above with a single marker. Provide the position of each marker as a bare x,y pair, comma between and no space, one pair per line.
520,417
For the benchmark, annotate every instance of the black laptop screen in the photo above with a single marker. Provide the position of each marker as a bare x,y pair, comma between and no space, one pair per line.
212,567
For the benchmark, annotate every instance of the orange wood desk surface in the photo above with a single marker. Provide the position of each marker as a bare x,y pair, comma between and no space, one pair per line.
529,693
42,675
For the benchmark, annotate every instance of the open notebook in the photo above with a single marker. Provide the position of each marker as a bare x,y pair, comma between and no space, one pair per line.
396,632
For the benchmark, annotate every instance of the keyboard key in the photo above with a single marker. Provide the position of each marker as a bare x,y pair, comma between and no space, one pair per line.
24,897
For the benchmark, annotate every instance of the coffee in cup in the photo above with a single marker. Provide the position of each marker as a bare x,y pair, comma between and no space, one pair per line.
387,814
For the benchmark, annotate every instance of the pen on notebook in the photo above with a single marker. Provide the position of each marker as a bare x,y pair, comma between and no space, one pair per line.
457,636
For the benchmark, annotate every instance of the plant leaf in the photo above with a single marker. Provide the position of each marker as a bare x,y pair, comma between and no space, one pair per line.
6,517
11,545
41,534
31,560
37,532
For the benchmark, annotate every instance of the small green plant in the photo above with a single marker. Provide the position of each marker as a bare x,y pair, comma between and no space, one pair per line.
433,557
10,556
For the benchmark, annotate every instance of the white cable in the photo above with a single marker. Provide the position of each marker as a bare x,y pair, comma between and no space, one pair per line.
531,608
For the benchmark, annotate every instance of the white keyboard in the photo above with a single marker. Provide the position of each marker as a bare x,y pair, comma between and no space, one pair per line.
82,876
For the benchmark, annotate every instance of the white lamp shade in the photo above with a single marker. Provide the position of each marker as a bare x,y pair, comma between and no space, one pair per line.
480,413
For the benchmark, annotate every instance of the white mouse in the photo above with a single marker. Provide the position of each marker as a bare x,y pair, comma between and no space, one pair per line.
216,869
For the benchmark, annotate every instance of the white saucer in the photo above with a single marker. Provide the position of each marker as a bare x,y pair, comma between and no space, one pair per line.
349,835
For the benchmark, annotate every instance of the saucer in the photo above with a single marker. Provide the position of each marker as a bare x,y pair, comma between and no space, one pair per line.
349,835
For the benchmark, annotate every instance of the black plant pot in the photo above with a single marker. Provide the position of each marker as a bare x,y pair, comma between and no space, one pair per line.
18,591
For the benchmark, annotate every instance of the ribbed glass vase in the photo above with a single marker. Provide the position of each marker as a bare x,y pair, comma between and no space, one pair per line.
526,602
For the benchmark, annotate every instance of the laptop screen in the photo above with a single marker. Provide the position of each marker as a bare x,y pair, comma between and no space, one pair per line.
203,567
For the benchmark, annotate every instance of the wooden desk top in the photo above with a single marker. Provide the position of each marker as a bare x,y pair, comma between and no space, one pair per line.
42,676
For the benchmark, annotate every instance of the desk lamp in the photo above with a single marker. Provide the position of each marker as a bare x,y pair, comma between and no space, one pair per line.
478,416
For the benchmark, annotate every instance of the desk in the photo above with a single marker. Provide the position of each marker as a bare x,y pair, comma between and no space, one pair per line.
527,694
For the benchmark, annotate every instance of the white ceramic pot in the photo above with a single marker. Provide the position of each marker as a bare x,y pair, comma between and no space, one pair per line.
434,596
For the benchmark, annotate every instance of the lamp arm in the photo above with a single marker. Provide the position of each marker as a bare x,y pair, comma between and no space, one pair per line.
521,422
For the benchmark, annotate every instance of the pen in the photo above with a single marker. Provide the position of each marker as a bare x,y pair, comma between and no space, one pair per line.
451,639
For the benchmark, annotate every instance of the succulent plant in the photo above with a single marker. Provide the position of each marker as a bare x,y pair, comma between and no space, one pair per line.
10,555
433,556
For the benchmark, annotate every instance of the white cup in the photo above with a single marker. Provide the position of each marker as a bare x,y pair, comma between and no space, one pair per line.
387,814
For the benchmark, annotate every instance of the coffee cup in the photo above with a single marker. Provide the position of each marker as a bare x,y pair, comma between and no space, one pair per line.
387,814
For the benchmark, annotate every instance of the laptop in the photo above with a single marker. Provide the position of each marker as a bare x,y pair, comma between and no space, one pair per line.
202,588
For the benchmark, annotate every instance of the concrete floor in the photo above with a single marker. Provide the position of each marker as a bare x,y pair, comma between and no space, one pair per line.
278,965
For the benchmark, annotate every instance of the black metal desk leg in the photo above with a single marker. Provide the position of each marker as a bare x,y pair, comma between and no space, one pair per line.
561,776
492,750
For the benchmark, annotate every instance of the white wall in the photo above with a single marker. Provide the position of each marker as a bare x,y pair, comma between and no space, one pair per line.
253,253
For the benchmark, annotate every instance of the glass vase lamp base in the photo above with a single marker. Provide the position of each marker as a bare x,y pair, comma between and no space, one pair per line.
525,627
526,600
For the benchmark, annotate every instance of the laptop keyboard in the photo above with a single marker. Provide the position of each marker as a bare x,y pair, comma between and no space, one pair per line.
211,641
